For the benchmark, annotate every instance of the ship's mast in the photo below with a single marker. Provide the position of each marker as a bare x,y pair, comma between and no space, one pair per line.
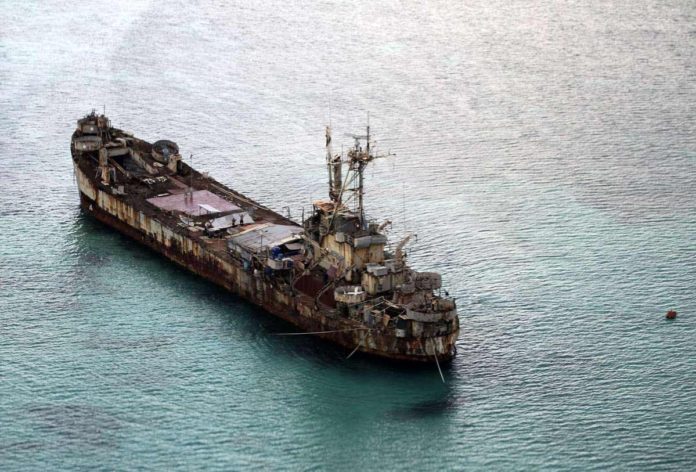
358,158
354,181
335,171
361,206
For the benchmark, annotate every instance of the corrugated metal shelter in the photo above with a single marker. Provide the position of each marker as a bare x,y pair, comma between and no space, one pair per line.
263,236
229,221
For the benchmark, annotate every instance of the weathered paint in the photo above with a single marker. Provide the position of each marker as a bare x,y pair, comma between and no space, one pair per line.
303,296
297,309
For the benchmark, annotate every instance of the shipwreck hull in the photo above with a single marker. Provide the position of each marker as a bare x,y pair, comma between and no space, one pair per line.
296,309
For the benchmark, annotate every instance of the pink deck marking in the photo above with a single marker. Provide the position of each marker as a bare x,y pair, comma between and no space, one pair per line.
191,206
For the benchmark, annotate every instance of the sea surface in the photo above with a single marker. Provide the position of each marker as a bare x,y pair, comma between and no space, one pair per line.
545,155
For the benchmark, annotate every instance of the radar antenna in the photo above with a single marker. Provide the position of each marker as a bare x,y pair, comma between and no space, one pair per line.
358,159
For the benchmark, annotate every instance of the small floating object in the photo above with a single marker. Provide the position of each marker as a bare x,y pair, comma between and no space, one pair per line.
671,314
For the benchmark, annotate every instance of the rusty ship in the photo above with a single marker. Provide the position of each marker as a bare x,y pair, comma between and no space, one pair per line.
333,276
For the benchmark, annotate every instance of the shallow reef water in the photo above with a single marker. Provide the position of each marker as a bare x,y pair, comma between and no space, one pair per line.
545,157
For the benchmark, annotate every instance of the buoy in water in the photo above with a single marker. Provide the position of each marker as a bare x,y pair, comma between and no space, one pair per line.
671,314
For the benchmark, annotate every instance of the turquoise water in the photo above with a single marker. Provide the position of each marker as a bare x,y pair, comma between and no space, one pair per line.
546,158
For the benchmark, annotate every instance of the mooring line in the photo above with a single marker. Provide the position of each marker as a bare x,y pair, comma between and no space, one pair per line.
437,363
353,351
320,332
356,348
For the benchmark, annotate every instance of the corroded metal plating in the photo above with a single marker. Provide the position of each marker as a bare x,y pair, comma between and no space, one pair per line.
116,194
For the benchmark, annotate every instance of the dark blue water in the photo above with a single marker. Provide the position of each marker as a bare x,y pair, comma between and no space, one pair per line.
546,158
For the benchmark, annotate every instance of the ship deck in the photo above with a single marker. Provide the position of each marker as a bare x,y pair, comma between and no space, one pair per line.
234,241
176,198
185,201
